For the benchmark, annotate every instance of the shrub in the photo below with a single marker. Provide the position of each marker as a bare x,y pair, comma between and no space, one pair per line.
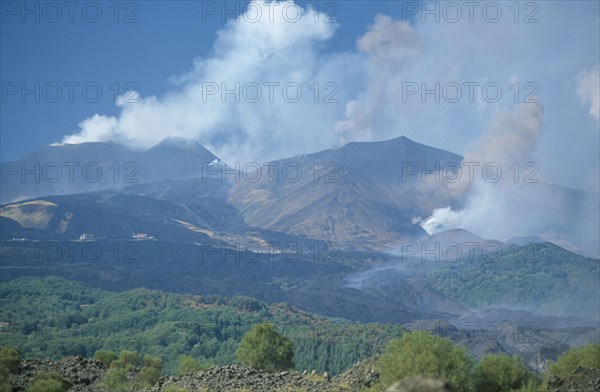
47,386
153,362
533,385
499,373
419,353
10,359
264,348
115,378
105,356
588,356
49,382
5,385
175,388
188,365
127,359
148,376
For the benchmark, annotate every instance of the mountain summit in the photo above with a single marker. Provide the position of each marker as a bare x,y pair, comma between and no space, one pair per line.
63,169
356,194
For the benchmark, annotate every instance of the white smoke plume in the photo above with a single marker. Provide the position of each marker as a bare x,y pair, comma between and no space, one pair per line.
366,86
391,45
256,58
492,208
369,103
519,203
588,90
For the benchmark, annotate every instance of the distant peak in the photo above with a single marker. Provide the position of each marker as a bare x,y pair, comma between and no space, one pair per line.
175,140
183,147
403,140
179,142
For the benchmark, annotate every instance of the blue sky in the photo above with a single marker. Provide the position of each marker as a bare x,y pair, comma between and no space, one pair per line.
151,42
366,60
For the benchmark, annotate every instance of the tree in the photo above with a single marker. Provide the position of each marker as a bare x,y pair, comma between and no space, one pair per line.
499,373
264,348
419,353
588,356
150,372
148,376
105,356
10,359
127,359
49,382
153,362
188,365
115,379
5,385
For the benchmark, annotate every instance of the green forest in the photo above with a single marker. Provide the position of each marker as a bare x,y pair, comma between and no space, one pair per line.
542,277
140,334
53,317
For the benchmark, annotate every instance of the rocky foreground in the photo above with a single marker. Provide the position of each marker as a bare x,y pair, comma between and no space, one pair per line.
86,374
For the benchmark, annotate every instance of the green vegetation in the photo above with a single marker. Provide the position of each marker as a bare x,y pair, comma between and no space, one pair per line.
122,376
543,277
5,385
206,328
115,378
10,359
190,333
49,382
127,360
264,348
588,356
105,356
175,388
188,365
499,373
421,353
150,372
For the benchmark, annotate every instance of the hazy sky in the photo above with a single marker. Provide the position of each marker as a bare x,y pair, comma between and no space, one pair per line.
306,76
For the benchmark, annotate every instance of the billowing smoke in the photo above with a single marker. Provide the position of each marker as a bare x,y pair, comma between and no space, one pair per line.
588,90
391,45
363,94
510,199
249,100
512,136
511,139
442,219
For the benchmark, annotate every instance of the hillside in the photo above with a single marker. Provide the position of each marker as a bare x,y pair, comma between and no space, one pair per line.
539,277
361,196
67,318
76,168
357,196
342,242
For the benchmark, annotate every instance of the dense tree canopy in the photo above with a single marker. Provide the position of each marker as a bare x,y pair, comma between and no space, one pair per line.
588,356
208,328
